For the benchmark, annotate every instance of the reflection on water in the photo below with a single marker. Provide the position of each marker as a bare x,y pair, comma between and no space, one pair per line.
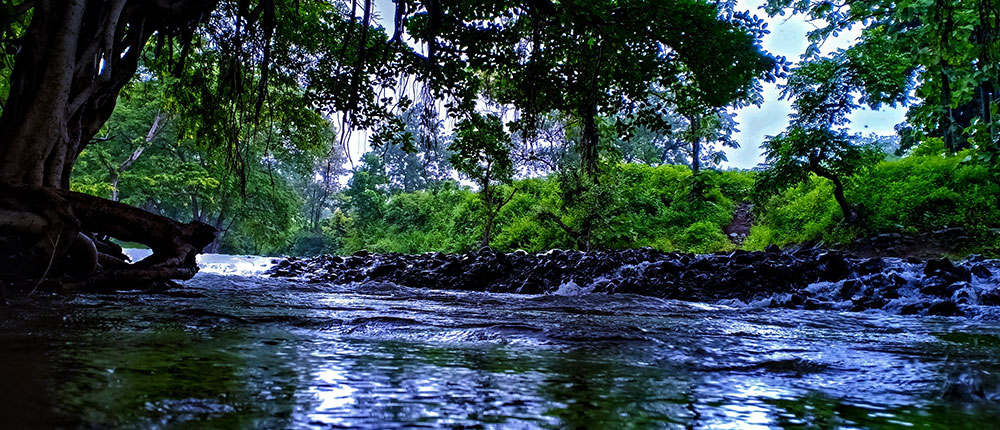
243,352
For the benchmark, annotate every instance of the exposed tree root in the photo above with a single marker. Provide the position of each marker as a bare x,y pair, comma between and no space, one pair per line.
85,258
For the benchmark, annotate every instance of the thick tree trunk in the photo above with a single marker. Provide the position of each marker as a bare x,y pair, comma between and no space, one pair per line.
75,57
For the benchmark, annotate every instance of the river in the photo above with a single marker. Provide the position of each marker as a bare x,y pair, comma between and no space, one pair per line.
233,349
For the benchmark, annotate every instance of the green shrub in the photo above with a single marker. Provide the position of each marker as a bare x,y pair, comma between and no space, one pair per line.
914,194
802,213
632,206
926,193
704,237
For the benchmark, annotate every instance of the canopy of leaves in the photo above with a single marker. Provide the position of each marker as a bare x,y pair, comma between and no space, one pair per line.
481,150
945,51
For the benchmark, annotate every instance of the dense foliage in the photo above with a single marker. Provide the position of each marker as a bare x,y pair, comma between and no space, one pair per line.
668,208
585,124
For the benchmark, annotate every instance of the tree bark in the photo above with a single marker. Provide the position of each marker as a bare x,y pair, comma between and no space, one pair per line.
695,130
850,213
987,36
590,140
947,121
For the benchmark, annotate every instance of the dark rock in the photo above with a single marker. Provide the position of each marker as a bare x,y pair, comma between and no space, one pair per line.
382,270
963,296
944,308
938,287
937,266
832,267
864,303
850,288
812,304
912,309
362,253
990,298
870,266
981,271
946,269
770,249
354,262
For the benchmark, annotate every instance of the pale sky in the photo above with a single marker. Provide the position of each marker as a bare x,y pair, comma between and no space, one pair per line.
787,38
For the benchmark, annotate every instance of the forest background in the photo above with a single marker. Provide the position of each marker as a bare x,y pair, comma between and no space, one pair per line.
438,183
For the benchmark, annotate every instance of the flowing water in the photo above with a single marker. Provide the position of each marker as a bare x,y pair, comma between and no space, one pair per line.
236,350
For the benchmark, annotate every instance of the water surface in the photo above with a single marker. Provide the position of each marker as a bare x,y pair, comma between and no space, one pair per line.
236,351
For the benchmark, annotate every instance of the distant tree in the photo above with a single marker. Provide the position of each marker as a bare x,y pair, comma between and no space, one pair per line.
321,187
824,94
546,149
654,147
586,58
367,190
707,134
417,158
481,152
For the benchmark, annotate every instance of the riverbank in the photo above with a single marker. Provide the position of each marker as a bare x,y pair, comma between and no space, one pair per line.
953,243
802,278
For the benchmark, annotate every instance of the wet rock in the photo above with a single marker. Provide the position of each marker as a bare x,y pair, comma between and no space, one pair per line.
742,275
990,298
964,295
382,270
812,304
870,266
912,309
981,271
850,288
938,287
946,269
864,303
944,308
833,266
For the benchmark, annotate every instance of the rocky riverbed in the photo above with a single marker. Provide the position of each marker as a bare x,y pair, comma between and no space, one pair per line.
809,278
